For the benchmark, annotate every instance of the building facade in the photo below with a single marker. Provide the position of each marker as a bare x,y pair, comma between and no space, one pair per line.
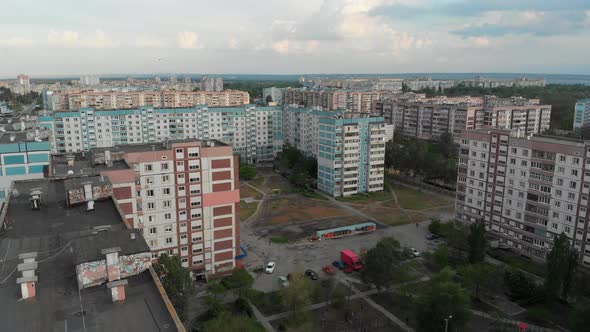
526,190
351,101
211,84
89,80
429,118
275,94
351,155
581,116
21,160
74,101
254,132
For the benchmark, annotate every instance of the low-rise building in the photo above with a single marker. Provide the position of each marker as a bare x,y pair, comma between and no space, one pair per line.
582,117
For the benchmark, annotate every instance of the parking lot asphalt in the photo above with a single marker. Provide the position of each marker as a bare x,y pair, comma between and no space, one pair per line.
314,255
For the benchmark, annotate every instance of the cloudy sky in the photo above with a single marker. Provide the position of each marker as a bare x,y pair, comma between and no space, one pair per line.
70,37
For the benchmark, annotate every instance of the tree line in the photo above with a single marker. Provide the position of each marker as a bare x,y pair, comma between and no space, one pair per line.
16,101
429,159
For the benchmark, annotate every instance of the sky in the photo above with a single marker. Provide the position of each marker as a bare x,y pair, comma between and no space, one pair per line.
73,37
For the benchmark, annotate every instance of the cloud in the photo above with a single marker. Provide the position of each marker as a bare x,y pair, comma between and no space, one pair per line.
187,39
480,41
148,42
16,41
73,39
281,47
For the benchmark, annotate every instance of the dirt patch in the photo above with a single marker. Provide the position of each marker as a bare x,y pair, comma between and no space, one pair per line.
296,208
413,199
247,191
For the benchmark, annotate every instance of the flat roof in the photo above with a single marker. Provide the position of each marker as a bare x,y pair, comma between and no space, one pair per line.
62,238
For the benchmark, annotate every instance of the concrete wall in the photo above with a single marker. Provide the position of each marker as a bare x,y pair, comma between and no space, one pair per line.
94,273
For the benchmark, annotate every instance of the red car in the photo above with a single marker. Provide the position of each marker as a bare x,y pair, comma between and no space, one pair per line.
348,269
329,269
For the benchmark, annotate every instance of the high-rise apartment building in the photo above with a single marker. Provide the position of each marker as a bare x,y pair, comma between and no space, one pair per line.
350,149
275,94
428,118
527,190
254,132
89,80
211,83
582,116
73,101
349,100
23,84
183,196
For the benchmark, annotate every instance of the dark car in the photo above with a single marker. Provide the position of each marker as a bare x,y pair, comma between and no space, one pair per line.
431,236
338,264
311,274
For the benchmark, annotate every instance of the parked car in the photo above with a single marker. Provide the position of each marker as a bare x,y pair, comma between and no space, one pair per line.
351,259
270,267
431,236
348,269
283,281
311,274
329,269
338,264
415,252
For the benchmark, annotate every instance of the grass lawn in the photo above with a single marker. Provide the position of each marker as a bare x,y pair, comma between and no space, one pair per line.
375,196
314,195
247,209
413,199
279,239
517,261
257,182
247,191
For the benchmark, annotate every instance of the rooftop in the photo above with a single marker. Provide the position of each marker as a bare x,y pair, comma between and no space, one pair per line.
64,237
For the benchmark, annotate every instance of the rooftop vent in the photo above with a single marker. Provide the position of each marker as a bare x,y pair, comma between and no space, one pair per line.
35,200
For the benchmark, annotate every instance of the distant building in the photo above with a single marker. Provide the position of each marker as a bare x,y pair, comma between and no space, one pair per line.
421,83
89,80
4,109
482,82
23,84
157,79
75,100
350,100
173,80
186,80
582,116
211,84
429,118
275,94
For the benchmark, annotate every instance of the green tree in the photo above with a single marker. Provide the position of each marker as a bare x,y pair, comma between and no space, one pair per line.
477,242
520,285
296,298
227,322
440,256
443,299
247,172
176,281
434,226
477,275
383,263
269,99
580,318
561,268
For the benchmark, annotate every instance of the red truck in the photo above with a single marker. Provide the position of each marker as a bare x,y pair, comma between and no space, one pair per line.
351,259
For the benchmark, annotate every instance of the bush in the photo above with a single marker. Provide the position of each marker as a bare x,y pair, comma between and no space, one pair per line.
434,227
520,285
247,172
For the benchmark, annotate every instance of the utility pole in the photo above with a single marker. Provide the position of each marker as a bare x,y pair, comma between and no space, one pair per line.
447,322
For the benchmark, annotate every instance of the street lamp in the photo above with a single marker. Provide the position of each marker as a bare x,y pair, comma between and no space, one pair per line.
447,322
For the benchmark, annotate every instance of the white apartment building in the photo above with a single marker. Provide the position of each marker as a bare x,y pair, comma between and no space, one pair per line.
526,190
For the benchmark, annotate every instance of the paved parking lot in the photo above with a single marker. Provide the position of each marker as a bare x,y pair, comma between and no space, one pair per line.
314,255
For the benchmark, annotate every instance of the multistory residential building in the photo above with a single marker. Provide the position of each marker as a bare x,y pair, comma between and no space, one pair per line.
73,101
89,80
351,155
482,82
350,149
23,84
22,157
275,94
527,190
186,80
421,83
182,195
352,101
429,118
254,132
211,84
582,117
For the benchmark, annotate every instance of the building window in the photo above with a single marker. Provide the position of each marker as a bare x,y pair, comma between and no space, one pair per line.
197,250
181,188
150,193
197,238
196,227
164,166
153,230
166,191
184,260
168,228
196,215
153,243
193,167
195,203
167,204
165,178
179,150
195,192
149,180
193,154
192,180
151,205
168,240
147,167
167,216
